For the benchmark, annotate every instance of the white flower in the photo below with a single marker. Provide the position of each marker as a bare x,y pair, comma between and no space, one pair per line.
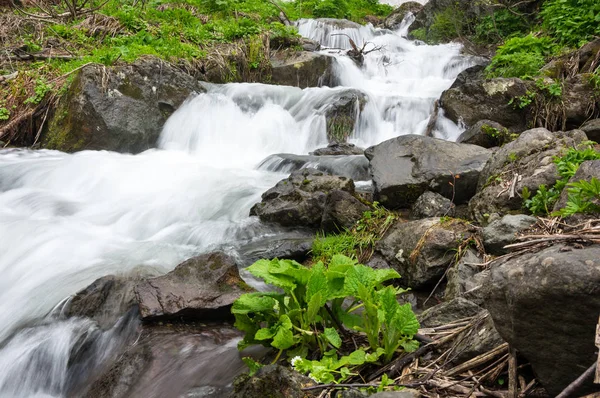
295,361
310,375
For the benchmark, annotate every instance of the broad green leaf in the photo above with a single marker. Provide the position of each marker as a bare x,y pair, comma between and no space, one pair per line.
374,356
410,345
357,357
317,283
389,304
351,321
253,302
244,323
333,337
273,273
252,365
265,333
284,338
339,265
382,275
313,307
406,321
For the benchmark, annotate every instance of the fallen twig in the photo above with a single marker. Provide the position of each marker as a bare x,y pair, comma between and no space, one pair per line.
571,388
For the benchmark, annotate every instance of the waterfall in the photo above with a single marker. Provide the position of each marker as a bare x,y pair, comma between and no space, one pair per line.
68,219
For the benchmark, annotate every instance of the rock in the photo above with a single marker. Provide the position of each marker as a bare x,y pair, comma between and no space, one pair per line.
591,128
482,337
531,157
422,250
473,98
302,69
406,393
342,210
122,108
432,204
273,381
464,276
578,102
339,23
485,133
105,300
338,149
394,20
505,231
404,167
202,287
309,45
448,312
586,171
546,305
300,199
355,167
168,362
342,113
289,245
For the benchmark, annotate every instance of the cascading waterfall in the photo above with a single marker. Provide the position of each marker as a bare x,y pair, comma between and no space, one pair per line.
68,219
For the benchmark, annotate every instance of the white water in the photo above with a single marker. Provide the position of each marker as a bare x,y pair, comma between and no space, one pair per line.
68,219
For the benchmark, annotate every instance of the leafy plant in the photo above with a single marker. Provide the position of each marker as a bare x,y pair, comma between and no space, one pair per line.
4,114
523,101
41,89
583,197
573,22
308,317
521,57
499,25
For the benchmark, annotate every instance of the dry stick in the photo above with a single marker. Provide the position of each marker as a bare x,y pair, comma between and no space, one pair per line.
37,136
401,362
513,386
478,360
571,388
354,385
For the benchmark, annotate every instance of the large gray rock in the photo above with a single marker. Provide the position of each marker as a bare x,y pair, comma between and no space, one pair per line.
529,160
432,204
592,129
394,20
448,312
355,167
336,149
341,114
405,167
341,211
121,108
300,199
422,250
504,231
202,287
273,381
485,133
473,98
464,276
293,245
302,69
586,171
546,305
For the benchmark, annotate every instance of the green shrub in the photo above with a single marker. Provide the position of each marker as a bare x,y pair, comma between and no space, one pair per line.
447,25
309,318
499,25
521,57
572,22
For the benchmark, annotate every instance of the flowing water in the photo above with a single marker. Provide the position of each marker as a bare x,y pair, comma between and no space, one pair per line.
68,219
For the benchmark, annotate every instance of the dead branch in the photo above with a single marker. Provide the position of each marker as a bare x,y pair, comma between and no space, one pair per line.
571,388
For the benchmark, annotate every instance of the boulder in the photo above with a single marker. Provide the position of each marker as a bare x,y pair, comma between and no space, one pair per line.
337,149
504,231
586,171
355,167
300,199
202,287
404,167
293,245
591,128
529,162
422,250
273,381
578,102
309,45
485,133
341,114
302,69
480,338
105,300
448,312
341,211
121,108
473,98
394,20
464,276
462,11
546,305
432,204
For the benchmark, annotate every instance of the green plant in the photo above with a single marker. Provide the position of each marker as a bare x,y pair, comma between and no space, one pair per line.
523,101
499,25
308,317
41,89
553,89
4,114
582,197
521,57
573,22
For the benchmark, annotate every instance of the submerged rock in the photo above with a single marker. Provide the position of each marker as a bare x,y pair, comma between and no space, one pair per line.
394,20
546,305
405,167
355,167
203,287
121,108
342,113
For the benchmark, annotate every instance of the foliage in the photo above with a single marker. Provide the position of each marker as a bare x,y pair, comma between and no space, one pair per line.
307,318
583,197
521,57
41,89
544,199
4,113
357,242
572,22
501,137
499,25
354,10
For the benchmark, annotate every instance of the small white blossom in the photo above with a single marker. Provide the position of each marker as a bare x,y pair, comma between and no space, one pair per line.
295,360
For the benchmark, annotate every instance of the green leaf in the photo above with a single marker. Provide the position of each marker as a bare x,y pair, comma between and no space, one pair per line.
410,345
389,304
313,307
281,273
265,334
252,365
284,338
317,284
253,302
357,357
333,337
406,321
358,276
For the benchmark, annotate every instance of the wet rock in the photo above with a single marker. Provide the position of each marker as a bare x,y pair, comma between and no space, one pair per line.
422,250
529,159
473,98
169,361
504,231
310,45
290,245
464,276
404,167
546,305
339,23
406,393
592,129
338,149
302,69
122,108
300,199
105,300
342,113
432,204
586,171
273,381
448,312
342,210
355,167
202,287
394,20
485,133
